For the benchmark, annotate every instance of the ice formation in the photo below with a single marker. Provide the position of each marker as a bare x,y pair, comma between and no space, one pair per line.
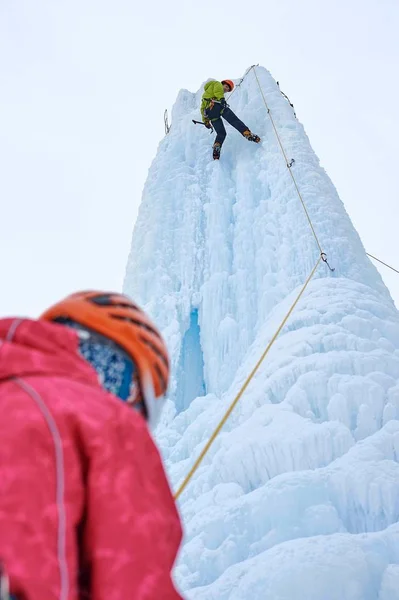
298,497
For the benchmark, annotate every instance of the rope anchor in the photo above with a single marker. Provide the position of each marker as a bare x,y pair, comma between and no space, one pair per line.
292,161
323,256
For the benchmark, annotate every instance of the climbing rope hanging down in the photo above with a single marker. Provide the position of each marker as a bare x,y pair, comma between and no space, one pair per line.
241,80
289,165
244,387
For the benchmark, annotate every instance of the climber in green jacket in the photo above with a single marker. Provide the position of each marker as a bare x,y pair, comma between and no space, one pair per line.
214,106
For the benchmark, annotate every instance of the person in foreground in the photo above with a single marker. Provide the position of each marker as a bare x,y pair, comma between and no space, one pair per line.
85,507
214,106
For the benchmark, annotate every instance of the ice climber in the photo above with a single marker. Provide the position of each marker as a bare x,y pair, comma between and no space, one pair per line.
214,106
85,507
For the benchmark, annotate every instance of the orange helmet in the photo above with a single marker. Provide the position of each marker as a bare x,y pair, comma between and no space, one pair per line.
229,83
115,317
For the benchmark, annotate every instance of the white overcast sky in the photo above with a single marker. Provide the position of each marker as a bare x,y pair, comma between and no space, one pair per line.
83,87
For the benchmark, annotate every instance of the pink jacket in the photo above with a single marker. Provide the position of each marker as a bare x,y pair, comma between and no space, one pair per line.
85,507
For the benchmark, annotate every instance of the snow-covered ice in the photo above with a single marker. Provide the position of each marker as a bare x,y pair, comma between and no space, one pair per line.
298,497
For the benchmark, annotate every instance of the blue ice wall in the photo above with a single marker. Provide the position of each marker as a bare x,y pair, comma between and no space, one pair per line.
191,366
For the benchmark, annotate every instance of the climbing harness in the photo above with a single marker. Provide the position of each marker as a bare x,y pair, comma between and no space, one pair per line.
165,118
244,386
210,106
213,101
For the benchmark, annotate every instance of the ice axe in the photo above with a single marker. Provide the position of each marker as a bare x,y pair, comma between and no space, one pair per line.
202,123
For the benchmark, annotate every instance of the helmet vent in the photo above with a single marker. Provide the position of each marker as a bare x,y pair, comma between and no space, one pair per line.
136,322
107,300
155,350
161,377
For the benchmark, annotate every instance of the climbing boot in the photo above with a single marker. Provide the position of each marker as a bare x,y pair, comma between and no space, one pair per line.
216,150
251,137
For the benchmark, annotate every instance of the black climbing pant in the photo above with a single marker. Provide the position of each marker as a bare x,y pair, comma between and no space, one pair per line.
215,115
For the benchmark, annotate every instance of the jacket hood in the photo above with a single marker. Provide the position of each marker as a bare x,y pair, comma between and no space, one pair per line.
30,347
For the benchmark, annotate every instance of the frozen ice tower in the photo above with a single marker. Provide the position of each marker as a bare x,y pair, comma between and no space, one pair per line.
298,498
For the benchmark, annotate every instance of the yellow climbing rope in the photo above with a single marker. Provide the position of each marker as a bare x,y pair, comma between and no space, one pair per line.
244,387
241,80
287,163
323,255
